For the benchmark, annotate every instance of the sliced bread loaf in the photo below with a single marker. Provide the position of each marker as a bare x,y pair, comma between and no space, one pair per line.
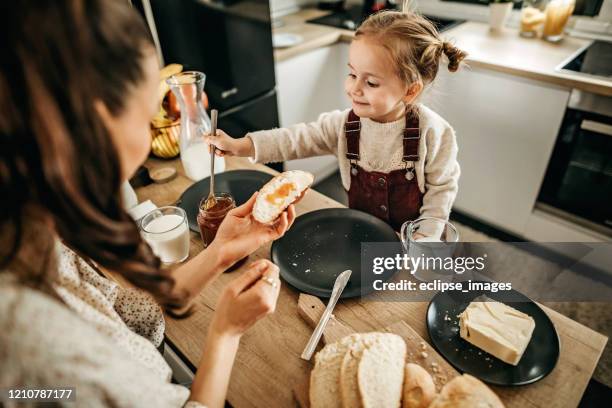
419,388
349,387
380,374
325,376
466,391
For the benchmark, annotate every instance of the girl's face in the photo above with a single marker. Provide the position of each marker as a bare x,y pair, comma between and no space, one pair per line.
130,129
372,85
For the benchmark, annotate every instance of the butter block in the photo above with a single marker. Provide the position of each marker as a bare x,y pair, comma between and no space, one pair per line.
496,328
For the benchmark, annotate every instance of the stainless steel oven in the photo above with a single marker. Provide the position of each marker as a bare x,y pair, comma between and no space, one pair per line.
578,181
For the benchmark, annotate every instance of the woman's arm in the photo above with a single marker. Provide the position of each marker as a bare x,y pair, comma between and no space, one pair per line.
244,301
198,272
212,378
238,236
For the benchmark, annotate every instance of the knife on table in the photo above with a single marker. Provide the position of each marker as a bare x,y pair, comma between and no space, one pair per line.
339,286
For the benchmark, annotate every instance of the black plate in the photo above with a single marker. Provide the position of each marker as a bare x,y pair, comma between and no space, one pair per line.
324,243
241,184
539,358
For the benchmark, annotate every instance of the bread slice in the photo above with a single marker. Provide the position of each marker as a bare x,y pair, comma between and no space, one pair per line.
349,386
325,376
279,193
349,389
419,388
380,374
466,392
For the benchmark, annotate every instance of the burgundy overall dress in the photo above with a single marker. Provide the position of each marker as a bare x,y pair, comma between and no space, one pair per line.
393,197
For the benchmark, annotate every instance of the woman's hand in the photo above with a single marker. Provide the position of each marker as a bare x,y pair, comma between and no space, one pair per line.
239,234
243,302
227,145
247,299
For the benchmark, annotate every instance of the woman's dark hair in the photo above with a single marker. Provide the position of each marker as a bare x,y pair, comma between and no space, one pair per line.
58,57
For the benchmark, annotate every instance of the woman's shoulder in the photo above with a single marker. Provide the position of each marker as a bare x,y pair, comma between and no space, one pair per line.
43,340
33,324
32,320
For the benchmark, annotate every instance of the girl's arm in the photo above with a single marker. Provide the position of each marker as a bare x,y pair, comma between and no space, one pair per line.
294,142
441,174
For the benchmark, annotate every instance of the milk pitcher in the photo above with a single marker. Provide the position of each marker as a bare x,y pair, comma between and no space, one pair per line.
187,87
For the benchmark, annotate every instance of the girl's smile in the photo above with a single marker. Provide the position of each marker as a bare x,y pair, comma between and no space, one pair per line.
372,85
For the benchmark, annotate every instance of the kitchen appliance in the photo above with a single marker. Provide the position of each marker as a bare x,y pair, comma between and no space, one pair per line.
577,185
578,182
335,5
230,41
595,59
353,16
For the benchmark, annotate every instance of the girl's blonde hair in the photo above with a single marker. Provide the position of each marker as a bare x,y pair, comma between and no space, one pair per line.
413,42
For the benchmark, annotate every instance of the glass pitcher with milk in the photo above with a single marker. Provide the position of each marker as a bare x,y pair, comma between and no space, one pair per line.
187,87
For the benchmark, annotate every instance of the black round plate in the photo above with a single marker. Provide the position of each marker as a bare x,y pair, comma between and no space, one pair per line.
322,244
539,358
241,184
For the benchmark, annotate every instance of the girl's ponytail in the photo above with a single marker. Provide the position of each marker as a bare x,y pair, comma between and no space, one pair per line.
454,55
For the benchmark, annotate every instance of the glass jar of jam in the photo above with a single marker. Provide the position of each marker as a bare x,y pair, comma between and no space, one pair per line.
209,219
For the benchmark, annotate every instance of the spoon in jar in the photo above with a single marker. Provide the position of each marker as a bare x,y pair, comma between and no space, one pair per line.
211,201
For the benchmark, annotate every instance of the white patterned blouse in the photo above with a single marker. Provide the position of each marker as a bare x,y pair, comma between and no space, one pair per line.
103,340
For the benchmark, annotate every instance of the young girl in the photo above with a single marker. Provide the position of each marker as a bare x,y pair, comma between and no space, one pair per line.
397,158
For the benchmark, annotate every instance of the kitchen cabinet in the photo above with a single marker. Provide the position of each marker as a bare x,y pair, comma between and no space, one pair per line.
308,85
506,128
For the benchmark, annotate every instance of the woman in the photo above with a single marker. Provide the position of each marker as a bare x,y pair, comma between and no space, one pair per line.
78,83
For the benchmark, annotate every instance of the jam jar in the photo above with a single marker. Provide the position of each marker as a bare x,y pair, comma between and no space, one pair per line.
209,220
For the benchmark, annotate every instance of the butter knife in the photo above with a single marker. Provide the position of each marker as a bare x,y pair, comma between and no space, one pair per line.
339,286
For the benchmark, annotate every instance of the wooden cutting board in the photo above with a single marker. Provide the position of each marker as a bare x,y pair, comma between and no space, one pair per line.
419,351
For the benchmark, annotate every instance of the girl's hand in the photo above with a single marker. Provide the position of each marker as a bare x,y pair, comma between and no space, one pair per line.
227,145
247,299
417,235
239,234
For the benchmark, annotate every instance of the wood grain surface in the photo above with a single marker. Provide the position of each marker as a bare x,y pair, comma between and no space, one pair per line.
268,364
418,350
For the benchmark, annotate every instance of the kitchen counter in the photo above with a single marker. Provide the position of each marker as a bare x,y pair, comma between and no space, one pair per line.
268,364
504,52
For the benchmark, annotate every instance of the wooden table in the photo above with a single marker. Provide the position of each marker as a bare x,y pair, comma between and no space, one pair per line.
268,364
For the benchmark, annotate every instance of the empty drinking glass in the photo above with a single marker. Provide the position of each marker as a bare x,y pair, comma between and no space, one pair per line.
433,240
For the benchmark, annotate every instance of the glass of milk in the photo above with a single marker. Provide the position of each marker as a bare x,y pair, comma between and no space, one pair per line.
165,229
433,240
187,87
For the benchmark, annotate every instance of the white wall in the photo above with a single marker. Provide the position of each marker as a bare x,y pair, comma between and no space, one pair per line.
308,85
